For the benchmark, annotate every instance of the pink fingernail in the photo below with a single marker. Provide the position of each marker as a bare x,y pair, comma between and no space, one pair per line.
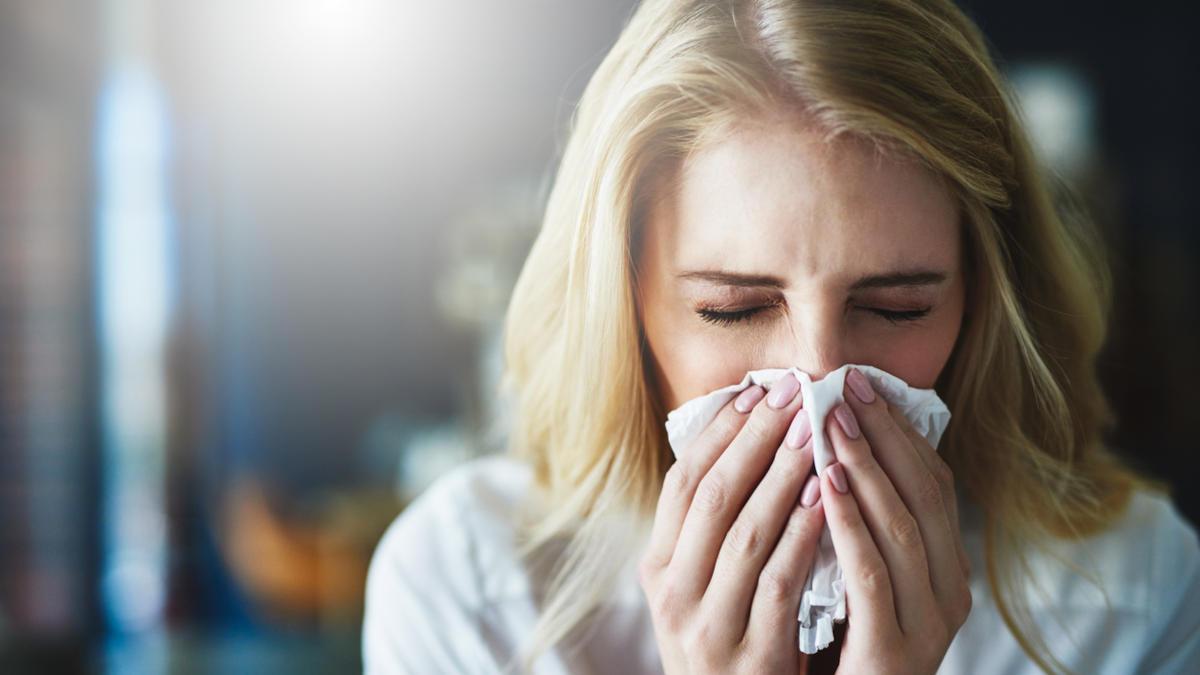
837,476
860,386
800,431
783,391
845,417
747,399
811,493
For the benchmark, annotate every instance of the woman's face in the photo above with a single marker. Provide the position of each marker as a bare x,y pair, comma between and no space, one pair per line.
776,250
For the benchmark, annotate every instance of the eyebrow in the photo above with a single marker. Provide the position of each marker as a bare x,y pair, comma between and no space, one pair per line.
911,278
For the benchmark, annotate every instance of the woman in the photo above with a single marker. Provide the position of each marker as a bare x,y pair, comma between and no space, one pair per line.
768,183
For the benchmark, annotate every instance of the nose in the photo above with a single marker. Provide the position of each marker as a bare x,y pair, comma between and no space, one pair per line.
814,342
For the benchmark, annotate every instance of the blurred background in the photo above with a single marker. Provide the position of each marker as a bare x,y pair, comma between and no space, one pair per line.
254,256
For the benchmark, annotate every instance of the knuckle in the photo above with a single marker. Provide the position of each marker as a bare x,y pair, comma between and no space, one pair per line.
934,645
875,579
847,519
776,586
930,494
798,524
944,473
711,495
743,539
677,480
727,422
766,421
791,468
857,455
759,428
699,642
705,659
904,529
874,415
668,607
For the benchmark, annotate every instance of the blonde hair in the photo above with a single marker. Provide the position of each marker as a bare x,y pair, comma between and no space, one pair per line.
913,77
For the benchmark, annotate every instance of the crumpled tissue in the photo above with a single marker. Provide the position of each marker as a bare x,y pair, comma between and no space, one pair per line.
824,598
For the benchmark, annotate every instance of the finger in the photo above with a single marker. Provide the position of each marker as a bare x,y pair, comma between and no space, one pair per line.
723,490
892,525
753,536
869,599
680,481
928,454
918,488
777,595
945,477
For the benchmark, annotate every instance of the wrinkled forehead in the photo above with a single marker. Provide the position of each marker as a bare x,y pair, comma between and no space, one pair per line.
779,199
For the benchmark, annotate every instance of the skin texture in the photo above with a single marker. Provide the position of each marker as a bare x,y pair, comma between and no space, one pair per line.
771,199
808,221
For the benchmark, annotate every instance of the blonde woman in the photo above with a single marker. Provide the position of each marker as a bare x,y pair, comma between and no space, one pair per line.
772,183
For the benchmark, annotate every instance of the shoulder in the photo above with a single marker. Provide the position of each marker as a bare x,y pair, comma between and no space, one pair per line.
1171,582
1154,522
488,488
1147,554
1151,549
446,555
1124,600
1148,567
466,513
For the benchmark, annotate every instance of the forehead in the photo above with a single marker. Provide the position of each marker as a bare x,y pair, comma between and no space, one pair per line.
774,197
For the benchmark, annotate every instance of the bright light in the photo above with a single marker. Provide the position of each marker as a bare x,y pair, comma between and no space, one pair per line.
133,282
1060,112
317,42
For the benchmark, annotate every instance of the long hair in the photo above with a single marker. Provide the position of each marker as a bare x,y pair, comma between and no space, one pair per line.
915,79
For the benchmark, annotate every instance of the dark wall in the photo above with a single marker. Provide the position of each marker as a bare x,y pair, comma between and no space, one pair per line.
1143,64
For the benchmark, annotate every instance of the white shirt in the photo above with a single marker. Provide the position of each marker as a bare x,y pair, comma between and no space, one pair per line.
447,594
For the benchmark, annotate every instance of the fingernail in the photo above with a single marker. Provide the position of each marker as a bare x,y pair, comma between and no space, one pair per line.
747,399
811,493
845,417
837,476
800,431
860,386
784,391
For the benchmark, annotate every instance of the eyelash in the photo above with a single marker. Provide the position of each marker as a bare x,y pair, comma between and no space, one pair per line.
720,318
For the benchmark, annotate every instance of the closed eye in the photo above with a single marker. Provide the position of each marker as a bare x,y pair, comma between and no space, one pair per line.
898,316
726,318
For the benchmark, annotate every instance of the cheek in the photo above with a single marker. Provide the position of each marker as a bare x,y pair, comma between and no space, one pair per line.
918,356
689,362
700,366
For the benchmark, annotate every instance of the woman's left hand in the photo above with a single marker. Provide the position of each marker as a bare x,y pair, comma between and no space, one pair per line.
893,518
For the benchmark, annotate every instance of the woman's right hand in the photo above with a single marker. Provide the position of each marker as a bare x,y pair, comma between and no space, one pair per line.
731,547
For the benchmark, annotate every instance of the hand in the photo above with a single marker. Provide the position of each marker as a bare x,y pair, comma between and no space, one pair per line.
723,573
894,526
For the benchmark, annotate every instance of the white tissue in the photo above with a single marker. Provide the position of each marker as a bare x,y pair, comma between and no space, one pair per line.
824,599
